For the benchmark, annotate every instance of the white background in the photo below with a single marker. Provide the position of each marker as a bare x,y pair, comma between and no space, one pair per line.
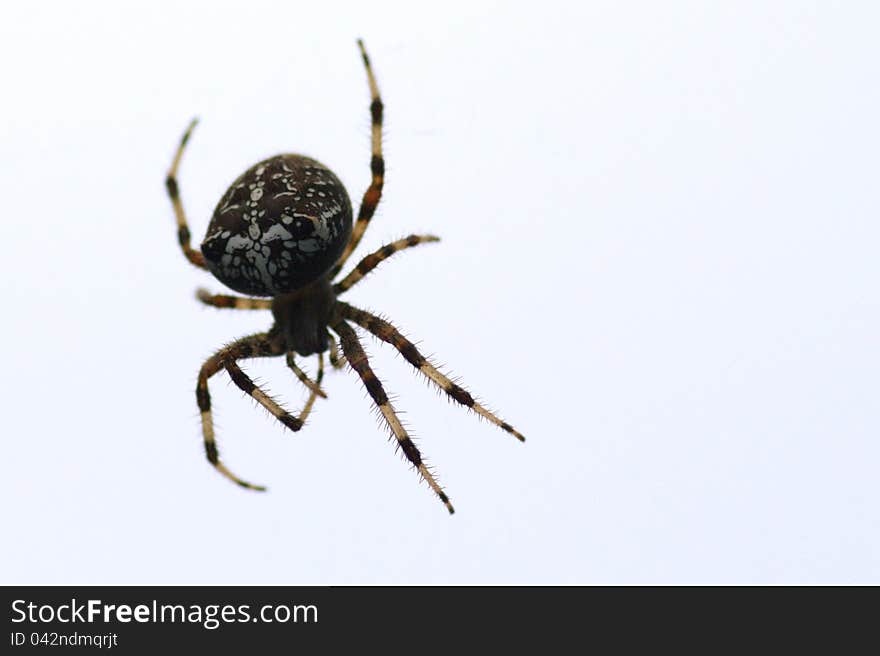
659,261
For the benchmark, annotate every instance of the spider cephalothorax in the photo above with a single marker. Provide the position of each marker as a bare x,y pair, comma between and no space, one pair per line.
284,230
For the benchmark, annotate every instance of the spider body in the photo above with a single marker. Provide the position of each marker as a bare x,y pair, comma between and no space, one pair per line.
281,225
302,317
284,230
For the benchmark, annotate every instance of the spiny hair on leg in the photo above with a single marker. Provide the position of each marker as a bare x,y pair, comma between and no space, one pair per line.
385,331
260,385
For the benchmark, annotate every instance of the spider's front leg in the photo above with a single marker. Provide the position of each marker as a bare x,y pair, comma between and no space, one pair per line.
353,350
248,303
255,346
389,334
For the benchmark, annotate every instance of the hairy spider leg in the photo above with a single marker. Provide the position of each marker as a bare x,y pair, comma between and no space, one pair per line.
336,360
183,236
375,258
246,385
353,350
389,334
253,346
314,387
233,302
377,168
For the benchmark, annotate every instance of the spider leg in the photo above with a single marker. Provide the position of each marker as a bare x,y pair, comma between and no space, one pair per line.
242,348
236,302
375,258
314,387
377,168
254,346
314,394
353,350
248,386
183,236
388,333
335,360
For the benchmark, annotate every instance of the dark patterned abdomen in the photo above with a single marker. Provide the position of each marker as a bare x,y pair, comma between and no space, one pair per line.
281,225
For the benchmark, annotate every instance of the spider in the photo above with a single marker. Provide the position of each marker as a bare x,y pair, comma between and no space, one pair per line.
283,230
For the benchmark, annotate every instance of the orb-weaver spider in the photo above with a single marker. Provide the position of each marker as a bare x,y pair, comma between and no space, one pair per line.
284,230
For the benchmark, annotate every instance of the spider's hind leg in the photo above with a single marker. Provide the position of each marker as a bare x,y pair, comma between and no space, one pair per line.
183,234
377,167
353,350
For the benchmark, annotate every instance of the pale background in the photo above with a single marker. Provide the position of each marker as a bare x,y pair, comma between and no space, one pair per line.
659,261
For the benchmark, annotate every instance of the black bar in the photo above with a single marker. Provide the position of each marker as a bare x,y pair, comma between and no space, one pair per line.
133,620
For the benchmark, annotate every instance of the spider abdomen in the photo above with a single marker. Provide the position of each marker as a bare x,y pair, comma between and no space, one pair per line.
281,225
